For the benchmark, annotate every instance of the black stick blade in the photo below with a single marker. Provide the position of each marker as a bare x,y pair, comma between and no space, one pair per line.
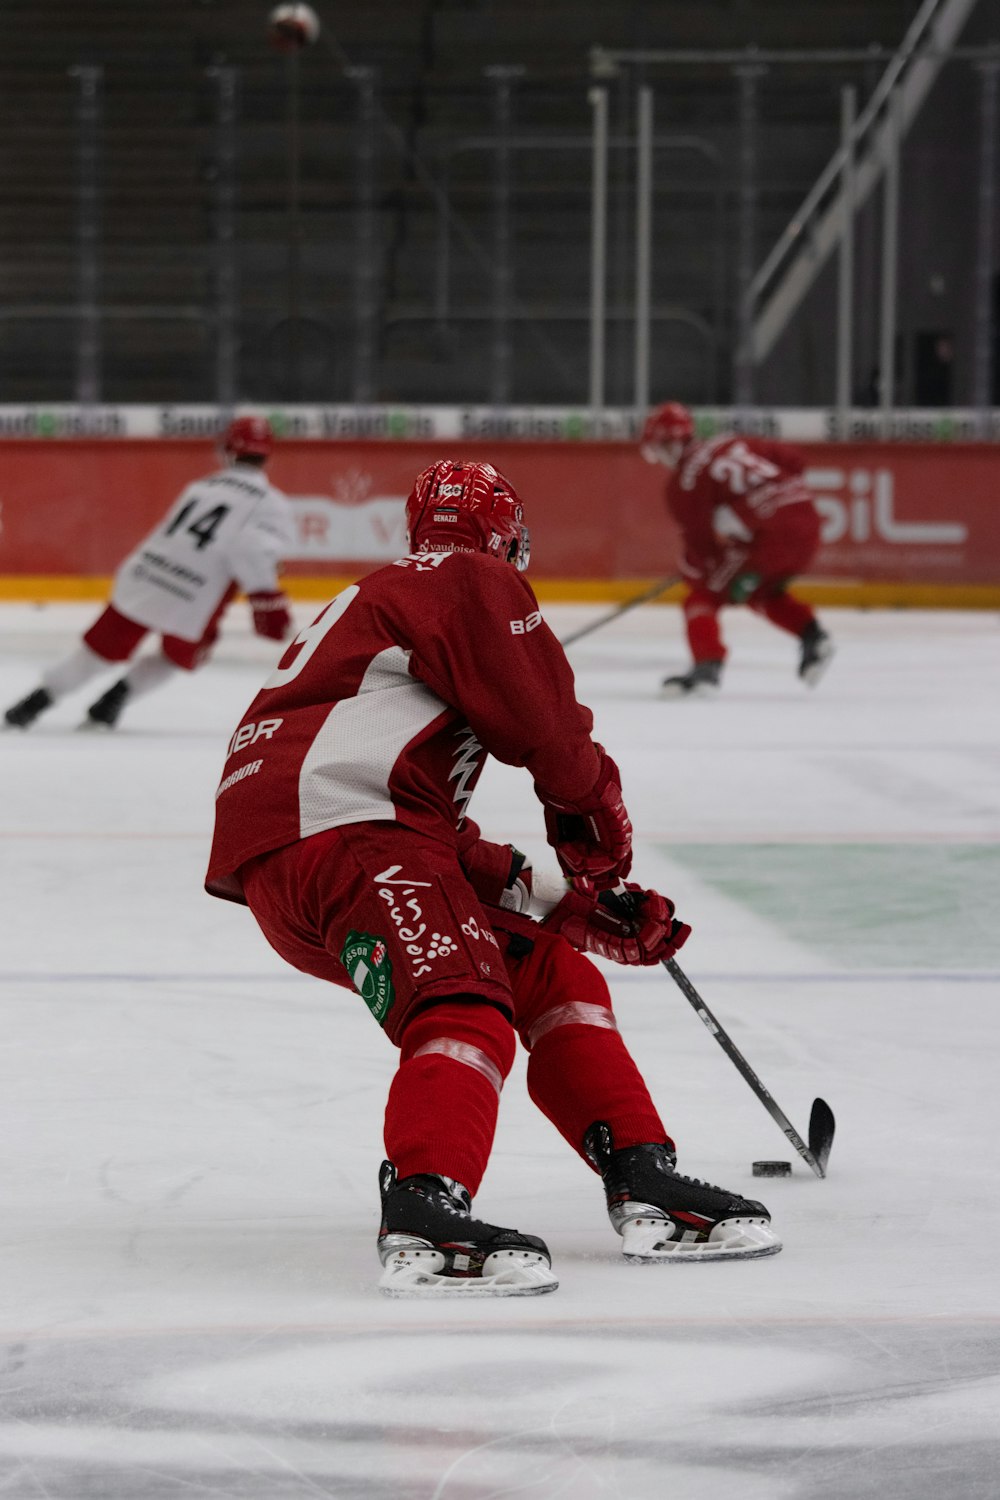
821,1128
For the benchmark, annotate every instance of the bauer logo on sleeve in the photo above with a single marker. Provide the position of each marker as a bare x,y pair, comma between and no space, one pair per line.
366,959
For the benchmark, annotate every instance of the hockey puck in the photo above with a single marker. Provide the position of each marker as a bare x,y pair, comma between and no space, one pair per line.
772,1169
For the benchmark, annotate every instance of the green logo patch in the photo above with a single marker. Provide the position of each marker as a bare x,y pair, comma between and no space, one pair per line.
366,959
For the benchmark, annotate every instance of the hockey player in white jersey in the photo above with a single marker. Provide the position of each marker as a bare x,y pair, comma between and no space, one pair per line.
226,532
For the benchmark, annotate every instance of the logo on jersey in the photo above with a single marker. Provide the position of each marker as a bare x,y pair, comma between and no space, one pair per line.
249,734
389,874
250,769
422,562
407,915
465,770
525,626
366,959
472,929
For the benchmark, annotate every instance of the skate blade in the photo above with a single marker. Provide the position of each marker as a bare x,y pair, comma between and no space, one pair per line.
817,669
94,726
508,1273
670,690
647,1240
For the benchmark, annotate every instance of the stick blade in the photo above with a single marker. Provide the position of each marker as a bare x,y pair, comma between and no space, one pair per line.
821,1128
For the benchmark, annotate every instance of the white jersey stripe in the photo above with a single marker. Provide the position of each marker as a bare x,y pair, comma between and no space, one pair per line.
345,774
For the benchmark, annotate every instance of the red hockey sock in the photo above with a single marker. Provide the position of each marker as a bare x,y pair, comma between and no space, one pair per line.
579,1070
785,611
441,1113
701,617
578,1074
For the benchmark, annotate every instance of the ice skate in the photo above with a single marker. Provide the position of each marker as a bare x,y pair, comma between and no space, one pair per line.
431,1246
817,651
21,714
663,1216
702,681
105,713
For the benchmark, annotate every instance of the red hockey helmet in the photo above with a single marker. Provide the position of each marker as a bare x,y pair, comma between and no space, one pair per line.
249,437
460,506
667,430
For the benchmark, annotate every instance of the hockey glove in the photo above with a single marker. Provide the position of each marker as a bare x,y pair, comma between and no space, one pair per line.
743,586
592,836
632,926
271,615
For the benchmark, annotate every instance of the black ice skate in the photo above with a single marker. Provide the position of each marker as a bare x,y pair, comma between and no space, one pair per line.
430,1245
817,650
20,715
702,681
662,1216
105,713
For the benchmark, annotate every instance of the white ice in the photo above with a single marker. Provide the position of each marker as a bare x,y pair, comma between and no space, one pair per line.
192,1131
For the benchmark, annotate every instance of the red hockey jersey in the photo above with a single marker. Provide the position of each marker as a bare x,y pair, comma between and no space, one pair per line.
385,707
730,491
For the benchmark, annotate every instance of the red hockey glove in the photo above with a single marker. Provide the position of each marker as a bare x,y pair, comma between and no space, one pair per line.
271,615
591,836
631,926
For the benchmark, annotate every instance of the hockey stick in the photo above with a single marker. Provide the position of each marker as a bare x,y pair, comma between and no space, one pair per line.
621,609
821,1121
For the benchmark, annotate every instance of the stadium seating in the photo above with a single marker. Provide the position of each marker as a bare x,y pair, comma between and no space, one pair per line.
156,205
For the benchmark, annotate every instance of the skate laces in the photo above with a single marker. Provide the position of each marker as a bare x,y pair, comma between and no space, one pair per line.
444,1192
670,1170
713,1187
450,1205
453,1197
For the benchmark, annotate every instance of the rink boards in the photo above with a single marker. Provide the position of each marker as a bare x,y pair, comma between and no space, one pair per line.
903,523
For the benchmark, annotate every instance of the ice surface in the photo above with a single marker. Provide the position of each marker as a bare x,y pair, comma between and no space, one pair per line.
192,1131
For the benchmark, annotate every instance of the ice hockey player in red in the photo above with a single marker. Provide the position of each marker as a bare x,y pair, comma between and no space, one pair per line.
226,532
341,822
749,524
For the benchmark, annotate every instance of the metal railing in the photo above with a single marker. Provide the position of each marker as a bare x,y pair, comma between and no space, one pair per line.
869,149
740,304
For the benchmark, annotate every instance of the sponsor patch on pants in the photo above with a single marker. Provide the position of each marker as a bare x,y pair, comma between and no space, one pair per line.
366,959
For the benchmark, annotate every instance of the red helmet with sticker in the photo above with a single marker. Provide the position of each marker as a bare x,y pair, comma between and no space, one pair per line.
667,429
249,437
460,506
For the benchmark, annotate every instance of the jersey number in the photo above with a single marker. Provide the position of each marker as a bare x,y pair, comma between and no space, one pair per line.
309,639
742,470
204,528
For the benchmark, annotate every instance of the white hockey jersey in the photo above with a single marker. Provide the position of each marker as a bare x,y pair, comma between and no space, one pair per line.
230,527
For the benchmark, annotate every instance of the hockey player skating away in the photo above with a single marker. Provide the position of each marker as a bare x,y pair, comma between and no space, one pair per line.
749,525
226,532
341,822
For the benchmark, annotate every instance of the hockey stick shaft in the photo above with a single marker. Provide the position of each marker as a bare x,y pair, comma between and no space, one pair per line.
731,1050
646,597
